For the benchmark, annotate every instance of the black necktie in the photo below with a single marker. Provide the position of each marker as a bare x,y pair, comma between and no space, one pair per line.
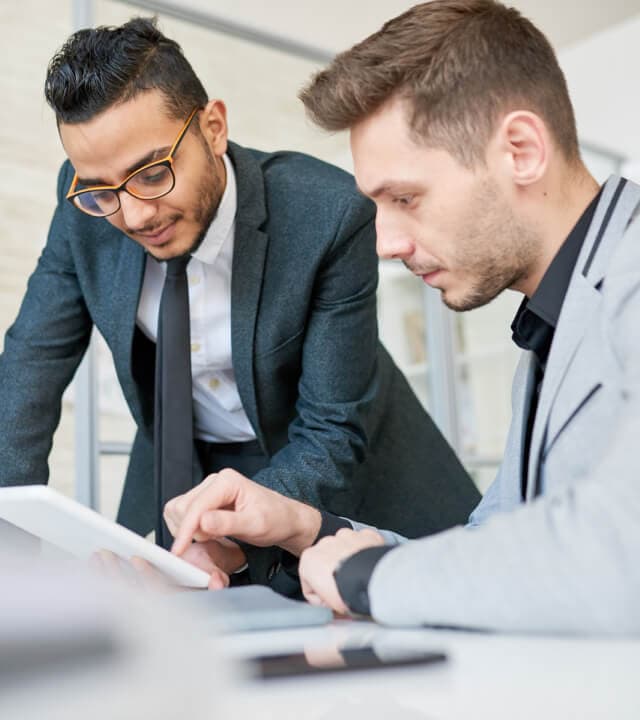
173,414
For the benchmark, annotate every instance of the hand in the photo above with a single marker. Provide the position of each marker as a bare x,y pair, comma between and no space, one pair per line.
229,504
135,572
317,565
218,558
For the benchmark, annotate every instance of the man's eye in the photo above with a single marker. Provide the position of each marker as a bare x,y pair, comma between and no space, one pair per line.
153,176
403,200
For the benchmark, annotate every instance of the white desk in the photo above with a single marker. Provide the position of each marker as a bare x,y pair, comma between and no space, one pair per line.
166,668
487,676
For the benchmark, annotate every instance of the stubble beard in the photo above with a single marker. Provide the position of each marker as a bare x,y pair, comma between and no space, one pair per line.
494,248
209,196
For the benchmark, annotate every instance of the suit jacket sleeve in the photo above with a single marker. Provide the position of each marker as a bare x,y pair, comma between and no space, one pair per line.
567,562
336,390
42,350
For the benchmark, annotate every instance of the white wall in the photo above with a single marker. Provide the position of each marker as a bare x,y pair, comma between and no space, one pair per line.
335,25
602,73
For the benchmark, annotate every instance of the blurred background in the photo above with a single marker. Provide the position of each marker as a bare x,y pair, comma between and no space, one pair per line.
256,56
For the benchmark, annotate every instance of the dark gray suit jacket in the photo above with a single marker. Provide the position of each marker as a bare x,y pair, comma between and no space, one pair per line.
340,425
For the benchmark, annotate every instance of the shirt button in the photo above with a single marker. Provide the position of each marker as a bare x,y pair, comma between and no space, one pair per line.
194,280
214,383
195,347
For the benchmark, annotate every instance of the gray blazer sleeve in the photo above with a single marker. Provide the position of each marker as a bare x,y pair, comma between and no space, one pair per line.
390,538
42,350
567,562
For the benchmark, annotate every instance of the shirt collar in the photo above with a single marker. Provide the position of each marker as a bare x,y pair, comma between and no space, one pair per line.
537,317
547,300
223,225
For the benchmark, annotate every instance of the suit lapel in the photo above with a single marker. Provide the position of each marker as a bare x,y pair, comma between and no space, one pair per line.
523,386
579,375
249,255
578,311
128,279
246,284
119,265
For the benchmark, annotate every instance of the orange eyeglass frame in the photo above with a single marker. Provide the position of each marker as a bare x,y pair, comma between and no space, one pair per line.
166,161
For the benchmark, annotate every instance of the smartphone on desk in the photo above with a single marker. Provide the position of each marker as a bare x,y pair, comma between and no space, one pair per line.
332,660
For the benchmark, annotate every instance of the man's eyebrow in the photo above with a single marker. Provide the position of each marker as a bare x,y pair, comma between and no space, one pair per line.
382,188
150,157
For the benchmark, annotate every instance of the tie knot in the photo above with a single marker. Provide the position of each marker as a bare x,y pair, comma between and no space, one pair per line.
177,266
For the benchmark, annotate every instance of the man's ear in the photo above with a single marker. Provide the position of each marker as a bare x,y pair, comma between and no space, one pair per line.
524,143
213,125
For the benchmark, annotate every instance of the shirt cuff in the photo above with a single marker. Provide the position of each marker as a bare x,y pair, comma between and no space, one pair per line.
330,525
353,575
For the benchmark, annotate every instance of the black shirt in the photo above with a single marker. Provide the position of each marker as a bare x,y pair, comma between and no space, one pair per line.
533,328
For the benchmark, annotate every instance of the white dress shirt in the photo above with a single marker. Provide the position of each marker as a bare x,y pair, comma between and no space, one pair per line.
218,412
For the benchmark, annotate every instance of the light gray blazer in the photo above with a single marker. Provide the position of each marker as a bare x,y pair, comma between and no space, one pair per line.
568,559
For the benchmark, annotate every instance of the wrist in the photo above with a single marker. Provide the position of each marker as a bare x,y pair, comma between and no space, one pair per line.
305,522
353,575
240,561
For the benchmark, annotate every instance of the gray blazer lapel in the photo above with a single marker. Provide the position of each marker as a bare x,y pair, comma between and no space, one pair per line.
579,309
523,386
617,203
584,377
616,216
249,254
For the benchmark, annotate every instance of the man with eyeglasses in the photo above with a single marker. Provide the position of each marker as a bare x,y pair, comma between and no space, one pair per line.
236,291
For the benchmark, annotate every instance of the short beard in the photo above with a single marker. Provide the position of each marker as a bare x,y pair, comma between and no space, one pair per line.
495,249
486,288
209,196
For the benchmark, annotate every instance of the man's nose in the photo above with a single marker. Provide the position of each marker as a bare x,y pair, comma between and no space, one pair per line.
392,242
136,213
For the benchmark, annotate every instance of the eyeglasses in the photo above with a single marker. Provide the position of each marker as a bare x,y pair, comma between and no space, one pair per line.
149,182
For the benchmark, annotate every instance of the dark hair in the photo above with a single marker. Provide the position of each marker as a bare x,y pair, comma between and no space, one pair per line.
460,64
99,67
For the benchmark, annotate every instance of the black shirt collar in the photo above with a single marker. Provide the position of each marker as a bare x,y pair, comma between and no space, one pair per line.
537,317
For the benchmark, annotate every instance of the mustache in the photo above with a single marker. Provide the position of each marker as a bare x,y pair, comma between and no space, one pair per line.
420,269
151,229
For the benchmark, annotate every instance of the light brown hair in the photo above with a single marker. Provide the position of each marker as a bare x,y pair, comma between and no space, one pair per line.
461,65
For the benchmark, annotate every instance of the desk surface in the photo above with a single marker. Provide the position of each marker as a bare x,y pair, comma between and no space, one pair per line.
490,676
486,676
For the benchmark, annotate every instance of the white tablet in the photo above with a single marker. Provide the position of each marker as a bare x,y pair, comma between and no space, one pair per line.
67,524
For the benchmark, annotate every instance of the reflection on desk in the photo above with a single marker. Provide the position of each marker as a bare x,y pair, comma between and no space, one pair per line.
486,676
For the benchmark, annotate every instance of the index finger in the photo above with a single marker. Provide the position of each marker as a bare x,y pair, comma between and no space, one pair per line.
219,494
